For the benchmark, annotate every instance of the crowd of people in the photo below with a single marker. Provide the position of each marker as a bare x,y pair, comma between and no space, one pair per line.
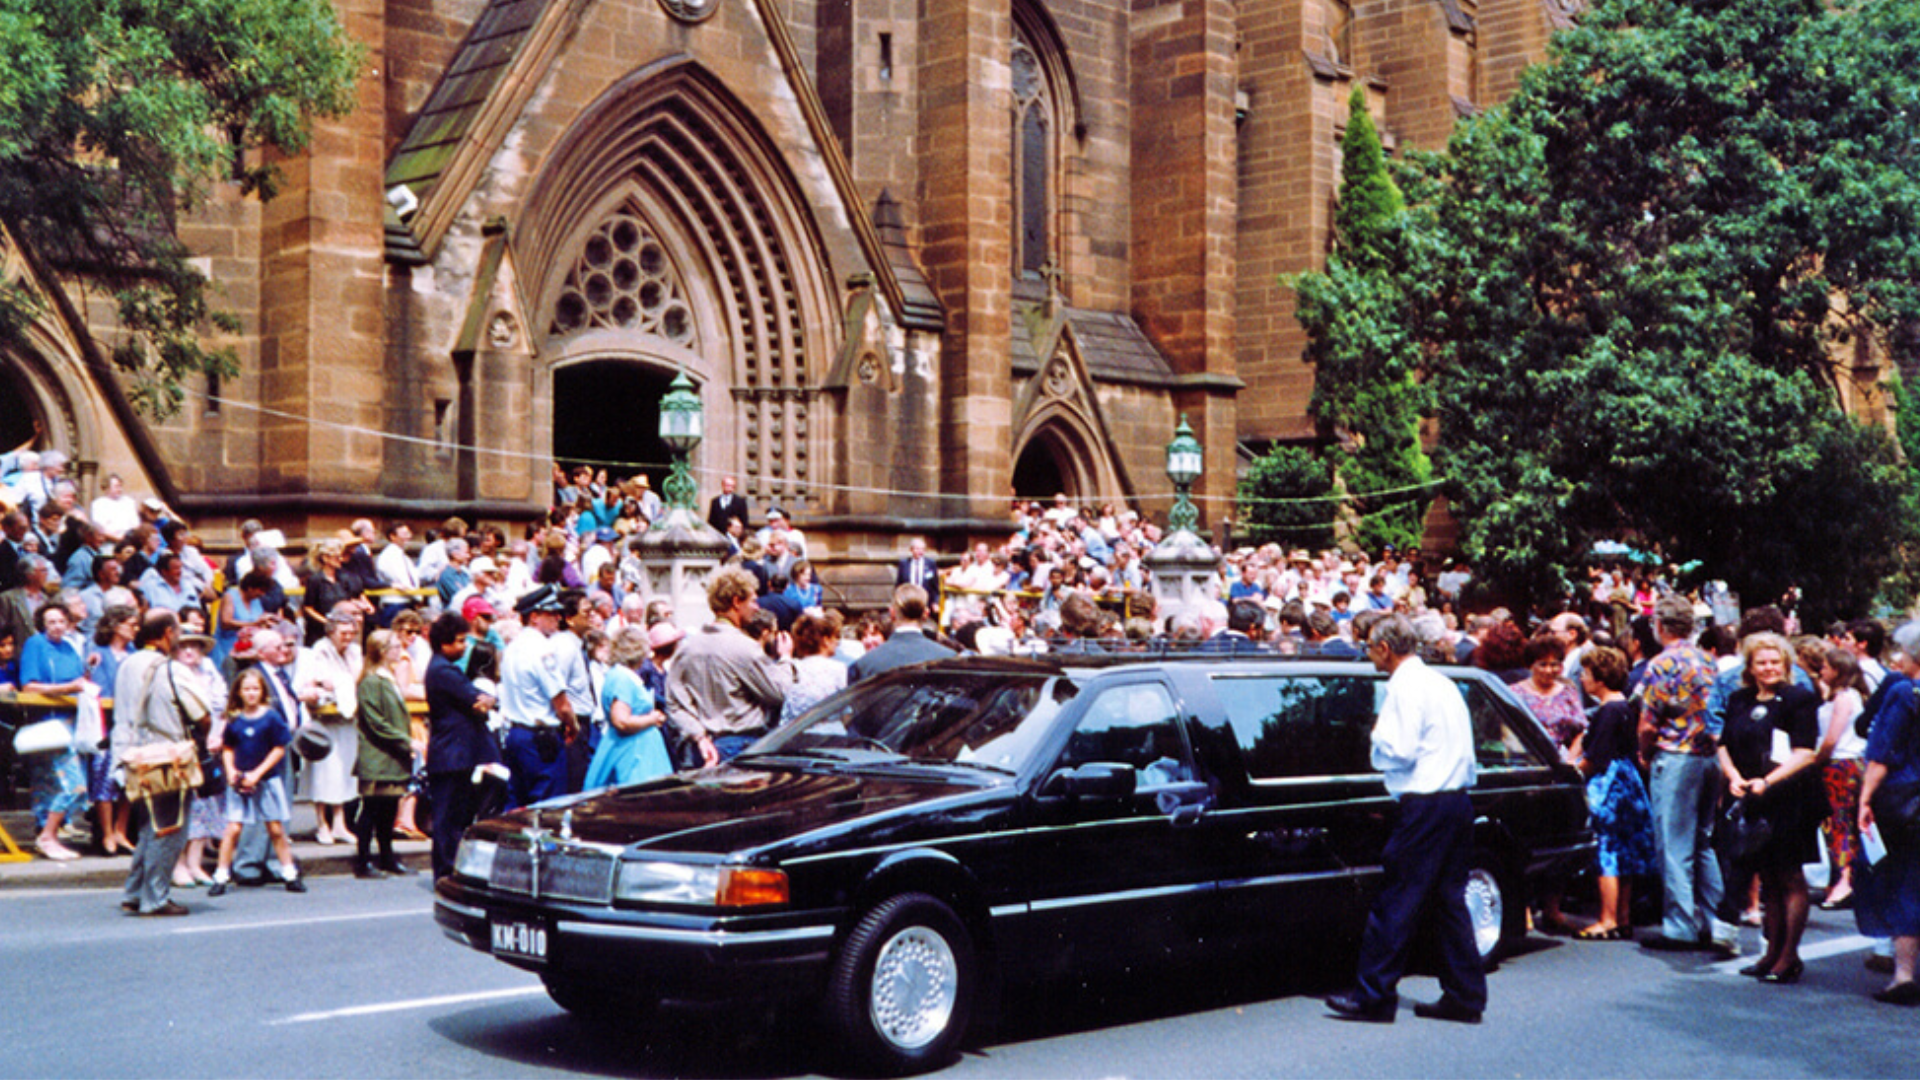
384,683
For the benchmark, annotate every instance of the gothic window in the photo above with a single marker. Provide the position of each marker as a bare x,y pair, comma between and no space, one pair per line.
1033,163
624,280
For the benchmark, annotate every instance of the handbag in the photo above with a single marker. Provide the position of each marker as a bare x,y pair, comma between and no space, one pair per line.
89,725
43,737
1742,832
159,776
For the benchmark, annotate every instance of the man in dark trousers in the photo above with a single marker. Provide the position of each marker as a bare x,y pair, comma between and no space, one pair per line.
458,741
1423,745
909,644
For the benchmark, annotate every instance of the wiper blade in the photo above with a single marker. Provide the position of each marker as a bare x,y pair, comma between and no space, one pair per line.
985,766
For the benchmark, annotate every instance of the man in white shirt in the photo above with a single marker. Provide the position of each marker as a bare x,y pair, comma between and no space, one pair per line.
115,513
1423,747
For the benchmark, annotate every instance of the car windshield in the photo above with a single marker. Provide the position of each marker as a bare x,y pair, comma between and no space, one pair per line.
984,720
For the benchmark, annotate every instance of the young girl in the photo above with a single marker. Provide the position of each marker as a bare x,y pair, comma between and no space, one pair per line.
252,747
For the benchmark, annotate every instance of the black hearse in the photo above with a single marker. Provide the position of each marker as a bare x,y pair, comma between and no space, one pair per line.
944,825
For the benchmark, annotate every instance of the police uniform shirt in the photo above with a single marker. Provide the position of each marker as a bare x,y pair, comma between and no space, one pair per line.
530,680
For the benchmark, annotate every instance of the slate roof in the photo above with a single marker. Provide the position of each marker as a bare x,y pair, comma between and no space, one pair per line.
1112,344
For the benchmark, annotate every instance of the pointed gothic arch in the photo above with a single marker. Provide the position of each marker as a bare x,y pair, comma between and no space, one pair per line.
719,227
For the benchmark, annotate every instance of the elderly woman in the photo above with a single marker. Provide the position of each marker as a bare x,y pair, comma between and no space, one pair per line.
333,666
384,762
1555,702
634,748
1788,794
51,663
1887,893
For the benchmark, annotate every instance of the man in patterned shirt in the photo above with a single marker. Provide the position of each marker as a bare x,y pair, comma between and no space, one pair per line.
1675,738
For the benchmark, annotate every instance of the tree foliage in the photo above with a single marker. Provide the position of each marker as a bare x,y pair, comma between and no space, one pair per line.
1631,282
118,115
1284,499
1362,344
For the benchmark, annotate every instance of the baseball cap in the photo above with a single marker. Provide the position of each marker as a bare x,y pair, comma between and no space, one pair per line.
476,606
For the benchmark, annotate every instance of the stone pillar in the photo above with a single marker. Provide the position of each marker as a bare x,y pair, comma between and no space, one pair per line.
1185,213
323,299
1181,564
679,554
965,125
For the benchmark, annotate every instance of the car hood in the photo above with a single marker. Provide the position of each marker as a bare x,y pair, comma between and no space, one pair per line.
733,809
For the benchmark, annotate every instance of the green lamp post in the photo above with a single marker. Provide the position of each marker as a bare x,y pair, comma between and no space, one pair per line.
1183,468
681,425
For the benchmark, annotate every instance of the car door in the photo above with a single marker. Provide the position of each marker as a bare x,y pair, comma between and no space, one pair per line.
1117,880
1314,813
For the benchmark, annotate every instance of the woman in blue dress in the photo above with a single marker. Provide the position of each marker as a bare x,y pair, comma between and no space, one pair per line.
803,590
1887,902
51,663
634,749
1616,794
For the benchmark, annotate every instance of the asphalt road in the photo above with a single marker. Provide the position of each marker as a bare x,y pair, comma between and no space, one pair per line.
353,979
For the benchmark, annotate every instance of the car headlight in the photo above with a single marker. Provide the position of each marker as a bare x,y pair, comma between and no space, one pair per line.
700,885
475,859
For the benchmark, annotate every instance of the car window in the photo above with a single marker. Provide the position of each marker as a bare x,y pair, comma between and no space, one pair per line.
1302,725
1495,742
1135,725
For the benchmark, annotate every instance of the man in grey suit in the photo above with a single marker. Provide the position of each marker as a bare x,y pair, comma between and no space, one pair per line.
909,644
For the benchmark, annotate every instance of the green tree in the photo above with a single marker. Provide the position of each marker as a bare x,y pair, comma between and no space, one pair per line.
1362,343
1284,499
1648,260
116,116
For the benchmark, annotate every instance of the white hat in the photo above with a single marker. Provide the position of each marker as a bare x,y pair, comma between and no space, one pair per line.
482,565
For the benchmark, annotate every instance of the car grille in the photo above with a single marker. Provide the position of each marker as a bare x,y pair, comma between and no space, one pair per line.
562,872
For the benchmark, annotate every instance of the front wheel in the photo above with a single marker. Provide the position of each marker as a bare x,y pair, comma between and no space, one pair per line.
901,989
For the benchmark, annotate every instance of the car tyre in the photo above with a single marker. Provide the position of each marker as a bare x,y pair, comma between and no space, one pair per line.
901,989
597,1004
1495,907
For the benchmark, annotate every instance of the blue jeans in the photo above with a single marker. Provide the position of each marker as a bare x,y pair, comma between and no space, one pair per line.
730,746
1684,795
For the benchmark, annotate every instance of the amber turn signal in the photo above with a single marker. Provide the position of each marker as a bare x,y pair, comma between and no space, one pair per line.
745,886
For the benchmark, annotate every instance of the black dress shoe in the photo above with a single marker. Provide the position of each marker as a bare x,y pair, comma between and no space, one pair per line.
1785,978
364,870
1757,969
393,868
1354,1007
297,884
1900,993
218,888
1447,1009
1663,943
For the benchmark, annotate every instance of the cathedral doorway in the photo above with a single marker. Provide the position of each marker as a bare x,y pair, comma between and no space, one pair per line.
1041,471
19,408
606,413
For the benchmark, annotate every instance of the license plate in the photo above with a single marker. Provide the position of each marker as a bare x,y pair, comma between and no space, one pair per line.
520,939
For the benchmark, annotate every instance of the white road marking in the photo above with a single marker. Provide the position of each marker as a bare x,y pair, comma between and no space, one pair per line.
1837,947
272,924
402,1006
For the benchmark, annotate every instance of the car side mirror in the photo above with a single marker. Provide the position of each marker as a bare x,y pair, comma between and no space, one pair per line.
1094,780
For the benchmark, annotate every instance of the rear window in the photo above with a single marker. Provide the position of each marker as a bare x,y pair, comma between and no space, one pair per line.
1301,725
